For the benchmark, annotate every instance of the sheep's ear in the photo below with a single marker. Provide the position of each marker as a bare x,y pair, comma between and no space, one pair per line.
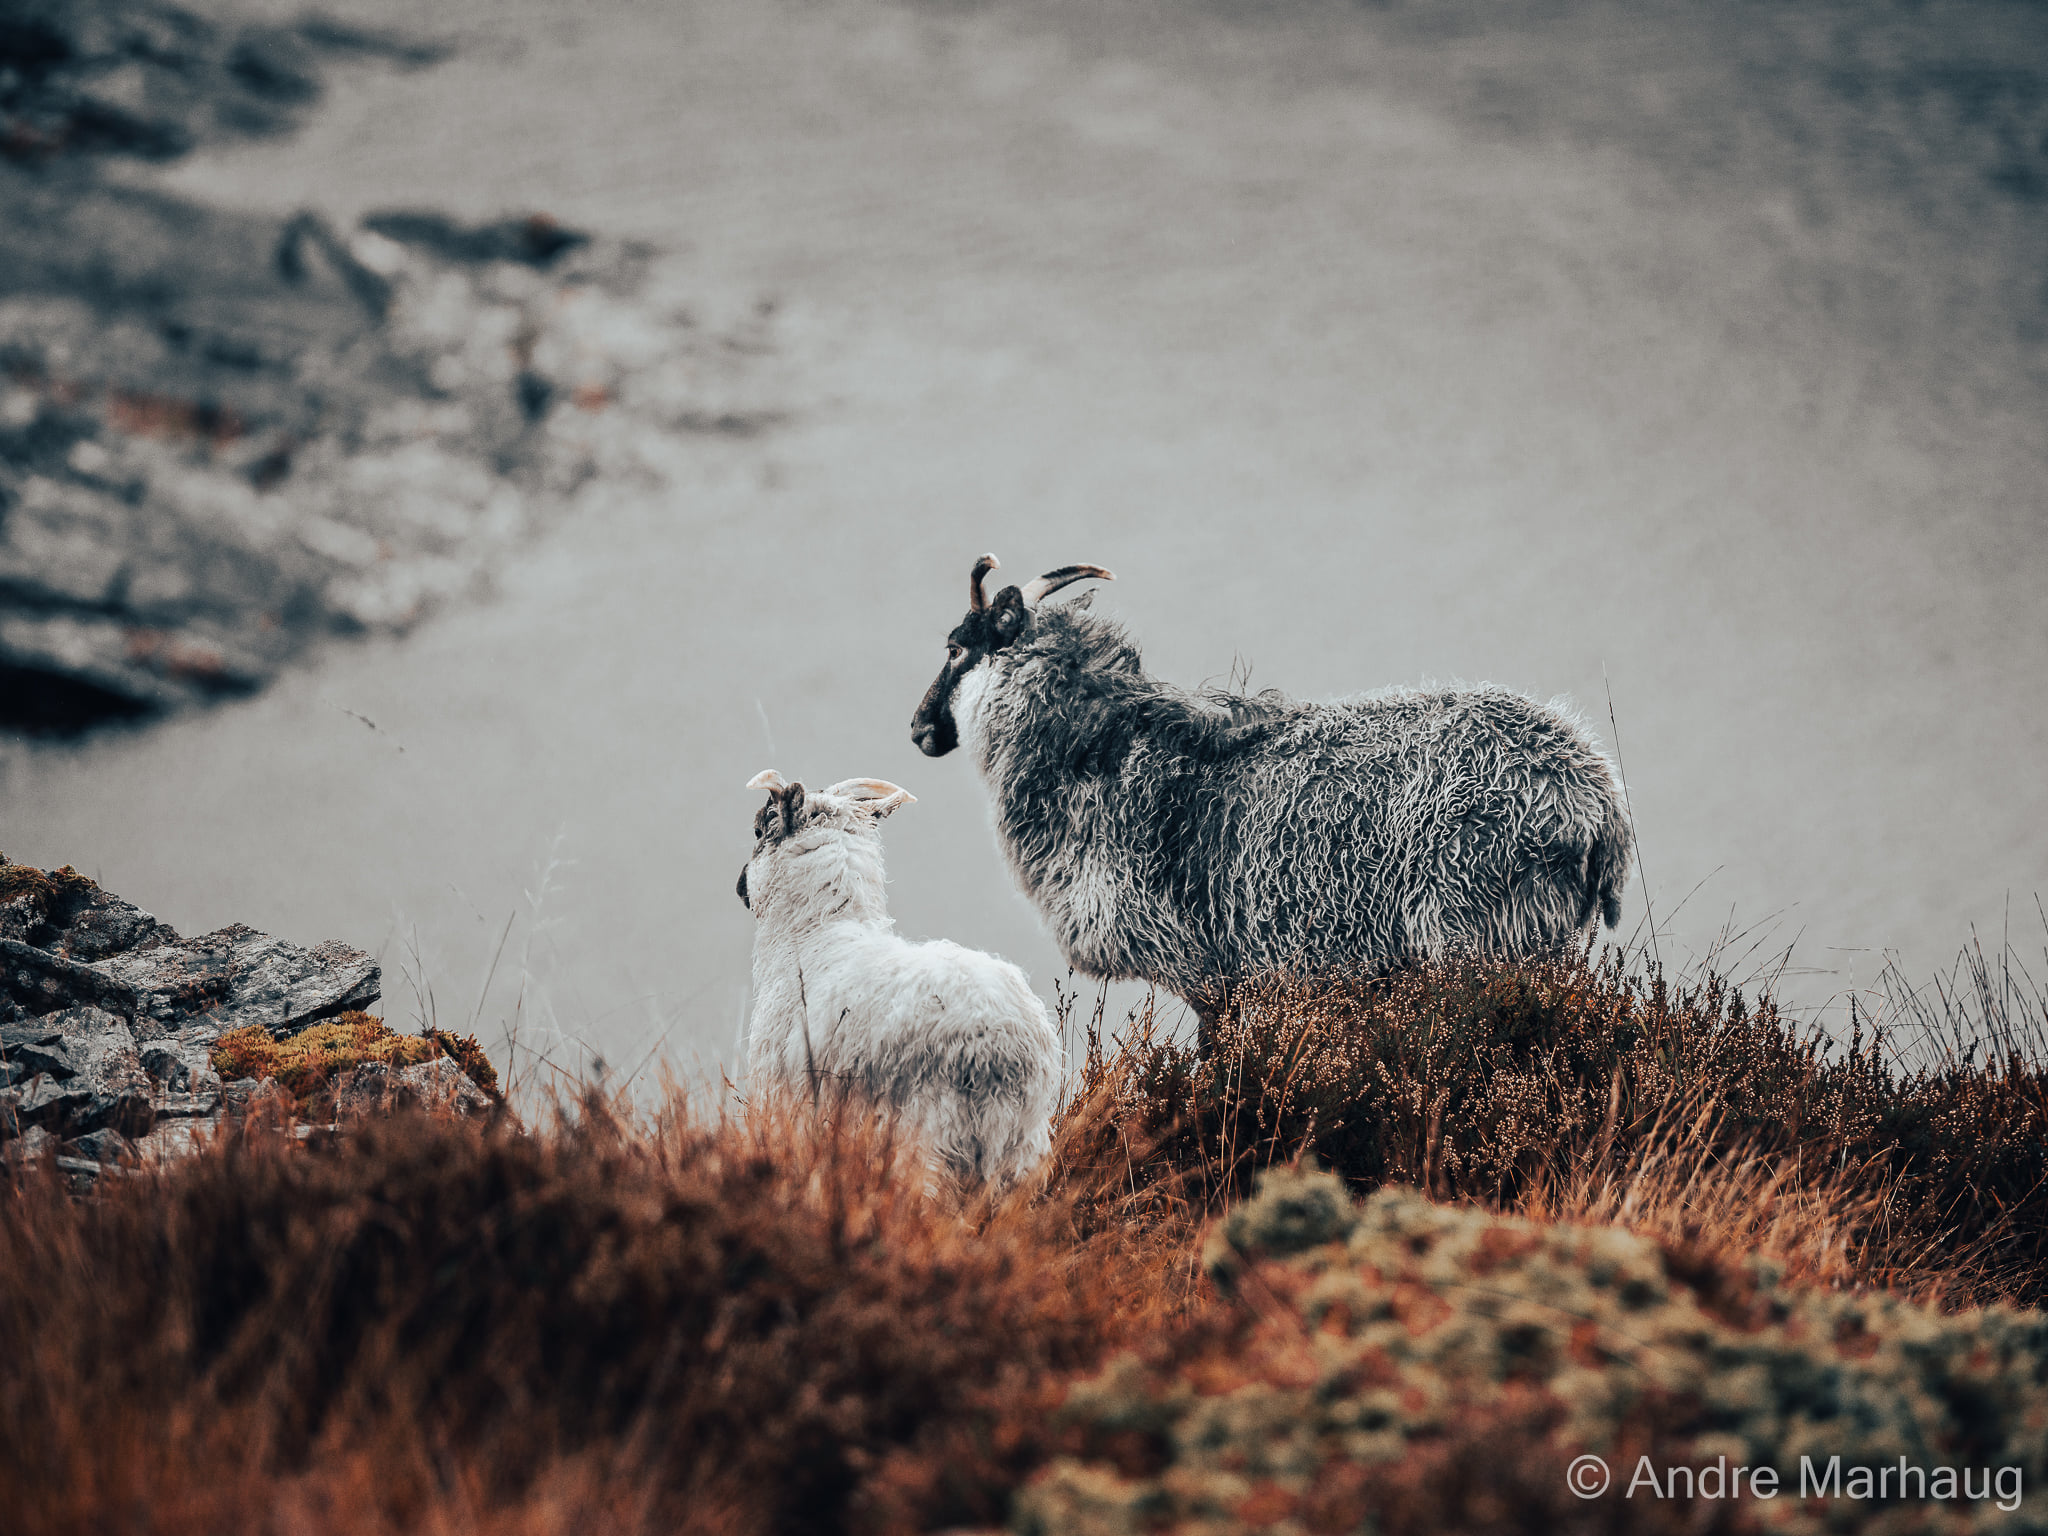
1007,616
878,797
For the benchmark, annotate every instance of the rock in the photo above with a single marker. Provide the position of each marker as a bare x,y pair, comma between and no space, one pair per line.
238,976
43,982
19,917
440,1085
174,982
363,1090
181,1067
537,241
29,1146
117,1090
228,435
258,1098
105,1145
107,925
188,1106
82,1174
174,1139
69,915
39,1045
88,1076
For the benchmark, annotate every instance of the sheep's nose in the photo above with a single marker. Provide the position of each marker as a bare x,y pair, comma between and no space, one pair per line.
742,888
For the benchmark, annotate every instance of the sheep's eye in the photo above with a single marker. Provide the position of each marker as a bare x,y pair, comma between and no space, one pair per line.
955,652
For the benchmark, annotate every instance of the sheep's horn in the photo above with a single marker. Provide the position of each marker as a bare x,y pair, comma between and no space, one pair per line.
767,778
977,600
1042,587
870,789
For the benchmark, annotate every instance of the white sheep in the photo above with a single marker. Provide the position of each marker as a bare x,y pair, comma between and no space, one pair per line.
952,1040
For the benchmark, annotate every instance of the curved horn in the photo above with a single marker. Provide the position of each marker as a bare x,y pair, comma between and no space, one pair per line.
977,600
1042,587
767,778
870,789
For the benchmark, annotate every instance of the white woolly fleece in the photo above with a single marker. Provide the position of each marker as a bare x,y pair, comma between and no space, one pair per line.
951,1039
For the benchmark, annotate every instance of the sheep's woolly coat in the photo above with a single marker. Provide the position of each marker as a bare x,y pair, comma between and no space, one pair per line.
952,1039
1186,839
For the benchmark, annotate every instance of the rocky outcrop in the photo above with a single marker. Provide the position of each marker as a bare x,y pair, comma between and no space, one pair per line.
225,435
239,976
108,1019
152,80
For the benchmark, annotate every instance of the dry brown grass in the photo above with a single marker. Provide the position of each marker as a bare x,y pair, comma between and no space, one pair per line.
755,1322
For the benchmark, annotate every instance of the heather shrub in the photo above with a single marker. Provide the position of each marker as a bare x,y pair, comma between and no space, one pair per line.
751,1324
1407,1366
1511,1082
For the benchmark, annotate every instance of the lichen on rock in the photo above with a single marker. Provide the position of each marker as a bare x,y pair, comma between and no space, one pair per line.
1405,1355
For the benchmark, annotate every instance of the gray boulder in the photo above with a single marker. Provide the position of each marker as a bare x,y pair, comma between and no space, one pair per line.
69,915
106,925
375,1088
84,1074
188,1106
28,1147
182,1065
105,1145
258,1097
41,981
173,1139
237,977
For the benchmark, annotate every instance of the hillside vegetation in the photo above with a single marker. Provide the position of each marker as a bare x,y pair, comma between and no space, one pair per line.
1511,1214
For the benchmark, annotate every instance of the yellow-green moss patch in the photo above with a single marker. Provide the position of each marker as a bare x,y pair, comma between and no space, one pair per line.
307,1062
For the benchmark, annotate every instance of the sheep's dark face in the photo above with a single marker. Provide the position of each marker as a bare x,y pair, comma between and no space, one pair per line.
976,638
990,626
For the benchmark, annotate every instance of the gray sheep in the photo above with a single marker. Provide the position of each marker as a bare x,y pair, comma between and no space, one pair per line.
1187,839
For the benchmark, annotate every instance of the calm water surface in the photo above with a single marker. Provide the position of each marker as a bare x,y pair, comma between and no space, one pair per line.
1365,350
